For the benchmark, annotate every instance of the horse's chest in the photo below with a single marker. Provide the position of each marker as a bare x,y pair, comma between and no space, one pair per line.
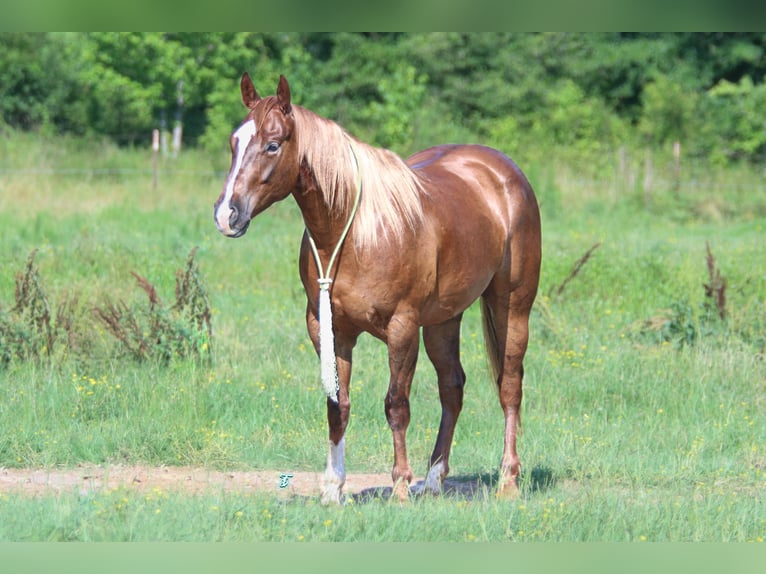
362,310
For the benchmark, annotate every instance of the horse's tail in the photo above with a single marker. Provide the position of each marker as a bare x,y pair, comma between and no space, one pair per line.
490,341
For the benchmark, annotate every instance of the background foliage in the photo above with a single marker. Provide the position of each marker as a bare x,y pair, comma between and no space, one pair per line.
590,92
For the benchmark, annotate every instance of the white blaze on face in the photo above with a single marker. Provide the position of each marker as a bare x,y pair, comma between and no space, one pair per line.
242,138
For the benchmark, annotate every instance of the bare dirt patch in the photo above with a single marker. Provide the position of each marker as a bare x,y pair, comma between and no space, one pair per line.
92,478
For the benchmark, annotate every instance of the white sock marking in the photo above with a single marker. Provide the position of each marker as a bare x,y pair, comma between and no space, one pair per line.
335,473
434,479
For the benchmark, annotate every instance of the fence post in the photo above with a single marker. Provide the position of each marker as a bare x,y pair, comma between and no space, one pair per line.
622,168
155,153
677,165
648,178
178,125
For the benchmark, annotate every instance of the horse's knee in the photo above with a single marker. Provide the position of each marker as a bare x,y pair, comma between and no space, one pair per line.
337,417
397,411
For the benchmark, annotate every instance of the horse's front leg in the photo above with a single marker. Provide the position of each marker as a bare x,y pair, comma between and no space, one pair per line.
337,415
403,343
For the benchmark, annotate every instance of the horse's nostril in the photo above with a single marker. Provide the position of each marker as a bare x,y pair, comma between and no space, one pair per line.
233,216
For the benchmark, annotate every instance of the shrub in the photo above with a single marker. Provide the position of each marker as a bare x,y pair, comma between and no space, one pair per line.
158,331
28,331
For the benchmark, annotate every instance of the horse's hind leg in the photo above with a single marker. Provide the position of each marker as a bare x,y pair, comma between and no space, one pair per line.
442,343
506,315
403,342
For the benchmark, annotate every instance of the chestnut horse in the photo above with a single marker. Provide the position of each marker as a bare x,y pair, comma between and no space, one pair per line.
427,238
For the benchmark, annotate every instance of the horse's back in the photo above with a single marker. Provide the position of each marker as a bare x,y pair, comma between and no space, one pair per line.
480,180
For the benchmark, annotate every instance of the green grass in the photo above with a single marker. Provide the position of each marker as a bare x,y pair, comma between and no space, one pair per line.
632,430
563,513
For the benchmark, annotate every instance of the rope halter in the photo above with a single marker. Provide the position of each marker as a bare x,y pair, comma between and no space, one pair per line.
329,367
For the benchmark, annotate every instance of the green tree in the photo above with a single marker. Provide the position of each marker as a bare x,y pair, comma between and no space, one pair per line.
668,111
733,125
39,82
126,77
582,91
222,59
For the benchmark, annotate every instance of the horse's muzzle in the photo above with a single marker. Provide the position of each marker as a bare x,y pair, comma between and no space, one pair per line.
239,231
235,226
233,216
238,224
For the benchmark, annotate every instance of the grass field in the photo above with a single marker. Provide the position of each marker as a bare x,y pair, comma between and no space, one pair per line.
643,411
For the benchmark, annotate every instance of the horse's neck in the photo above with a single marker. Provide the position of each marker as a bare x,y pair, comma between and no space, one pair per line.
321,223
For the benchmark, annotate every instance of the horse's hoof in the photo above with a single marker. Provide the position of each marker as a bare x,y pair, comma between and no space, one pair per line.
423,488
331,494
508,490
435,479
401,491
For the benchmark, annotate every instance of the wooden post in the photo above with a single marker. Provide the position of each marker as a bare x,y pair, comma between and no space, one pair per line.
155,153
677,165
178,125
164,133
622,171
648,178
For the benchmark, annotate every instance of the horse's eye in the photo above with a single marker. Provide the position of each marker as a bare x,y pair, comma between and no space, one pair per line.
271,147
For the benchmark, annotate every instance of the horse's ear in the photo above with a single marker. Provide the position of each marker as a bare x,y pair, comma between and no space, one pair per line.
283,95
250,95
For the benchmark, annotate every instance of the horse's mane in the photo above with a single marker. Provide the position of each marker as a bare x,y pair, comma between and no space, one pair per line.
391,192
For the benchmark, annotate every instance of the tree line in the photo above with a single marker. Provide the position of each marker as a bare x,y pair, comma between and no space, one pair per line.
584,92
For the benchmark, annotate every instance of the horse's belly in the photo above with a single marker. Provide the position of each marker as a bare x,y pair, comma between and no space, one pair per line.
450,298
461,274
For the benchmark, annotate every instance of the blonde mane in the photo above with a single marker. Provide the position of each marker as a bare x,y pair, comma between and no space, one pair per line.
391,192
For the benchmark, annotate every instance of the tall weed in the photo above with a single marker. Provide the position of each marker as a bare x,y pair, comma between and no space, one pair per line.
29,330
160,331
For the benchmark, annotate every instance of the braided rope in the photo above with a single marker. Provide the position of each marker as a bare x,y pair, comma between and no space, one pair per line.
327,359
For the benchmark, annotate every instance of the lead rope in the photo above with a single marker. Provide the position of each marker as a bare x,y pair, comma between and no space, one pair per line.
329,367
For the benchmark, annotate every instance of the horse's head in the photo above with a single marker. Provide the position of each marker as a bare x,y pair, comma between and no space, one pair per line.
264,162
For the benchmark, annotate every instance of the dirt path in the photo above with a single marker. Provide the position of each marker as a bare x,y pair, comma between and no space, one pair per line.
91,478
191,480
